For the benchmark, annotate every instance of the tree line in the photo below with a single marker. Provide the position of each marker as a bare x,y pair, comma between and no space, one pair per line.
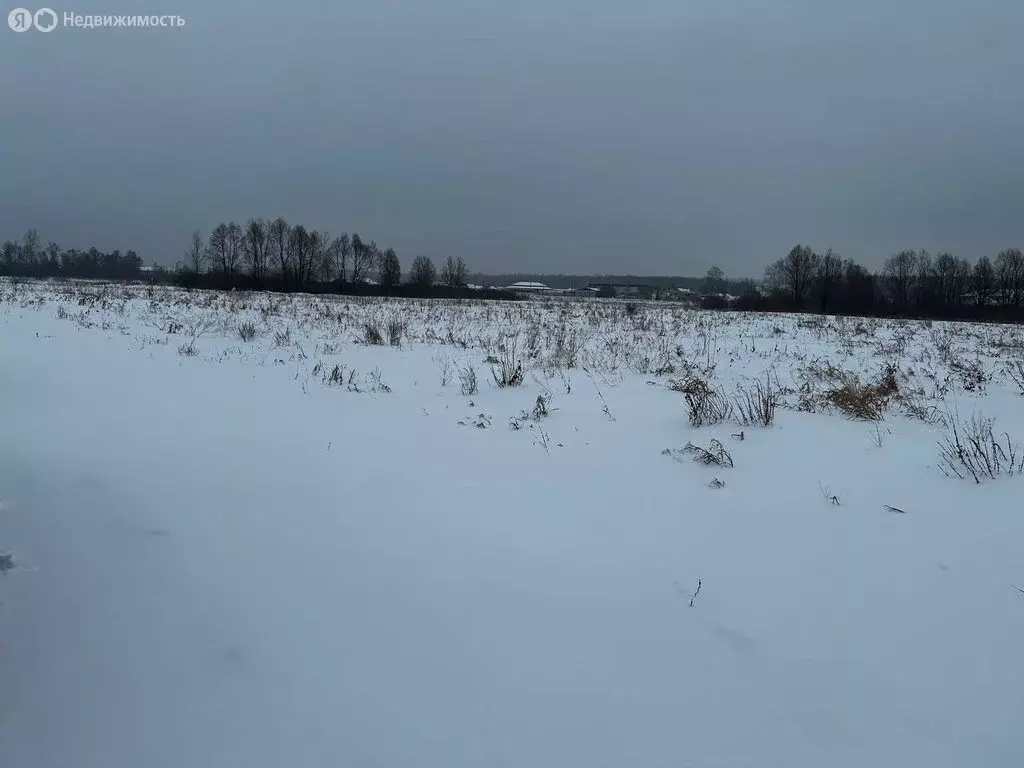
274,253
30,258
261,255
911,283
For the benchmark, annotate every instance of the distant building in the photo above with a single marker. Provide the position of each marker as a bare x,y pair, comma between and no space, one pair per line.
527,287
625,290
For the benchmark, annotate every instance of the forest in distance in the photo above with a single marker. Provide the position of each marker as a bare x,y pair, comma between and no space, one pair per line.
274,255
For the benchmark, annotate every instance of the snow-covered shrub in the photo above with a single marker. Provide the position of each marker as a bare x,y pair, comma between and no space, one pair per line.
973,450
708,406
756,407
247,330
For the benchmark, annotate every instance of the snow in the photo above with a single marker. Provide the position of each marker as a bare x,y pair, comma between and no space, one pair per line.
222,560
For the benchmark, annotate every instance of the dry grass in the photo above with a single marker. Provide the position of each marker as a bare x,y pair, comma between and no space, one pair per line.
715,454
372,333
756,407
507,366
395,330
707,406
833,360
865,401
972,449
1015,372
468,381
689,385
247,331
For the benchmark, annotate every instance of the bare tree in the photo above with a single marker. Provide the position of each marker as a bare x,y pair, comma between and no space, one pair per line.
334,267
318,243
11,254
454,274
217,249
320,257
390,273
983,282
299,248
195,254
224,251
343,249
53,255
363,255
714,280
235,249
30,247
900,272
952,277
828,278
858,287
1010,277
961,280
278,255
326,257
256,248
422,274
794,273
925,293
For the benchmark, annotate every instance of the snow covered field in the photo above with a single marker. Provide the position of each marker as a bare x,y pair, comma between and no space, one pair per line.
300,548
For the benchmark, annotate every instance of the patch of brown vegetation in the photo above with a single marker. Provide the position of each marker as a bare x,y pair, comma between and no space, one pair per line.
867,402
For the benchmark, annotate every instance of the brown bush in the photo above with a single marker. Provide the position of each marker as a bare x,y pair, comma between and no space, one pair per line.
865,401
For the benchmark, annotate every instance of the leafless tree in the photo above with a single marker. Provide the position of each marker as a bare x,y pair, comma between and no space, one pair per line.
422,274
390,273
256,248
714,280
333,268
961,280
30,247
983,282
300,253
53,254
454,274
11,254
343,254
828,278
1010,277
278,255
236,248
924,281
326,257
363,258
952,279
900,273
217,249
195,254
794,273
320,257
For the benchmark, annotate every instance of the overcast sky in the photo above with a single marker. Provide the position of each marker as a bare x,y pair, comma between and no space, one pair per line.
648,136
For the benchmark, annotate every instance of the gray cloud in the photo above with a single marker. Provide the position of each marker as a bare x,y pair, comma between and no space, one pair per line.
585,135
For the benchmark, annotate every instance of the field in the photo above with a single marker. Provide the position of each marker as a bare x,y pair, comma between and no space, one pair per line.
283,530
